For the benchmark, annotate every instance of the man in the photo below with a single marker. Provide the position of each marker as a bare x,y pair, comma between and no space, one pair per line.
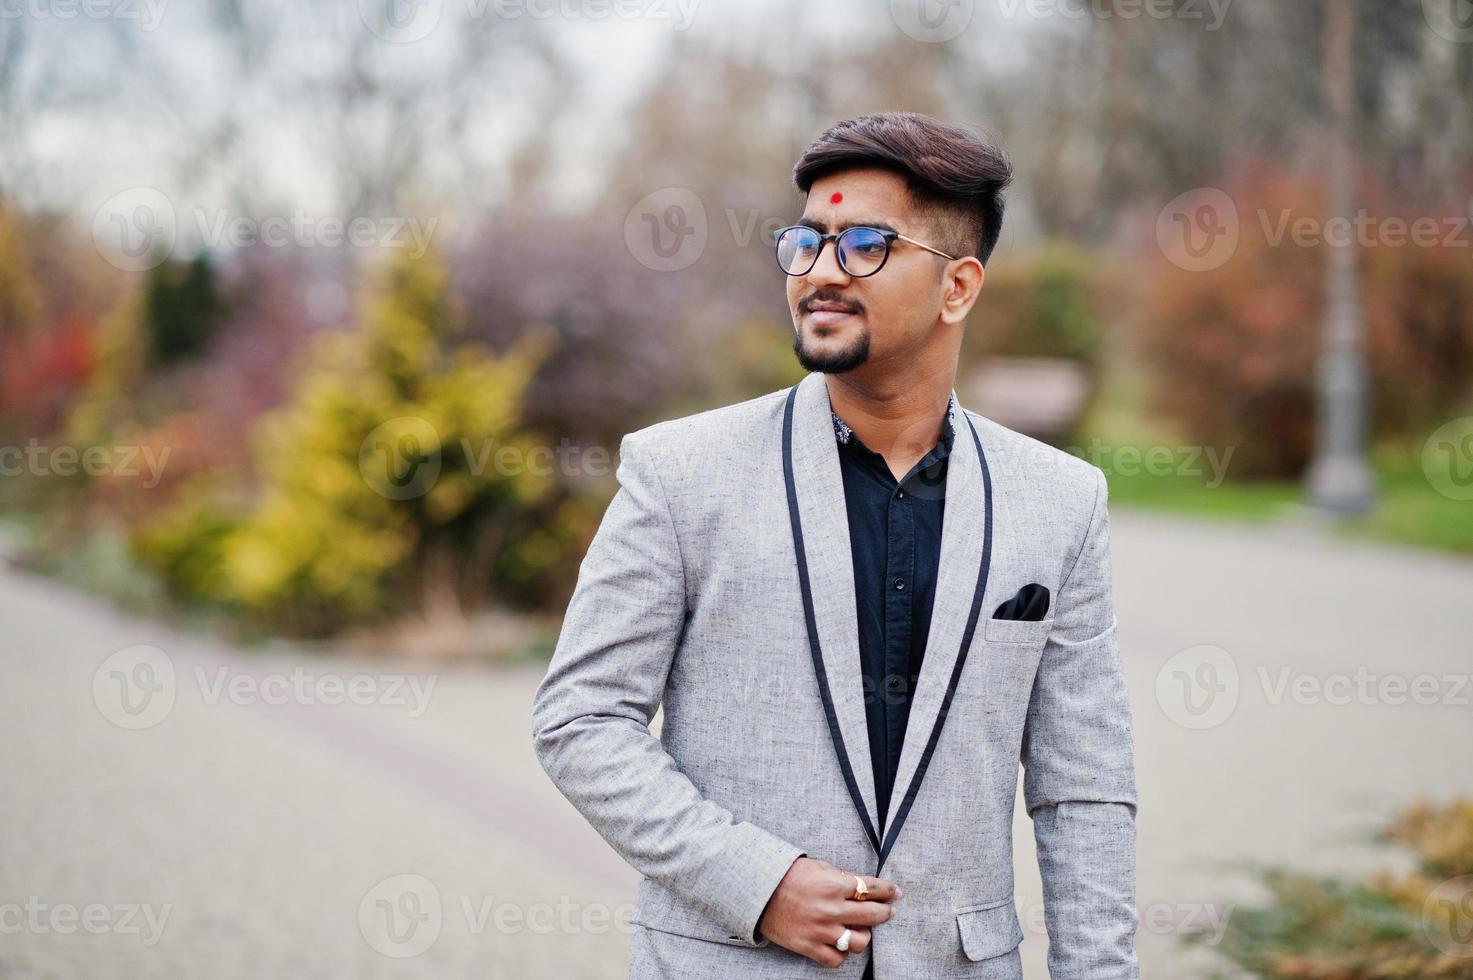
850,681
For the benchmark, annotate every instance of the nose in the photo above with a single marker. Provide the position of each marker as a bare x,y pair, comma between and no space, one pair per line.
827,268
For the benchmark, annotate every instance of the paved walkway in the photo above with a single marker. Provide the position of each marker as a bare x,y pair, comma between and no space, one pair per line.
161,817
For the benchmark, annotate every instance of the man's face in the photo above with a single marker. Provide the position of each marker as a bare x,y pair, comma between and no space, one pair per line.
842,322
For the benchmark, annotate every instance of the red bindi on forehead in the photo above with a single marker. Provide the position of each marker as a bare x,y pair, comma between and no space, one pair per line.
835,197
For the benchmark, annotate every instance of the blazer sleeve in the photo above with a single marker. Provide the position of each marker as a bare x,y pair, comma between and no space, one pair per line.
592,711
1079,773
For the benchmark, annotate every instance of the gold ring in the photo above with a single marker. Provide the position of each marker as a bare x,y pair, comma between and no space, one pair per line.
861,890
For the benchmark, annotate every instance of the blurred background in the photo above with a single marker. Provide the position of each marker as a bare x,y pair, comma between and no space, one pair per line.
320,324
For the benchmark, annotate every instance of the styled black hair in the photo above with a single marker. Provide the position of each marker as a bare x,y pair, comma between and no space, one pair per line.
955,177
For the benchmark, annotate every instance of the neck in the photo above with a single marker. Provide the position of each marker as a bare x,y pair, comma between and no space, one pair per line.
898,418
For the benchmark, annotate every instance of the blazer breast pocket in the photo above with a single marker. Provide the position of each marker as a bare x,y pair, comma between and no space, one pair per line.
1019,631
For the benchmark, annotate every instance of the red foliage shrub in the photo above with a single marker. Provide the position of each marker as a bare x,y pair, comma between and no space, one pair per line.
1233,347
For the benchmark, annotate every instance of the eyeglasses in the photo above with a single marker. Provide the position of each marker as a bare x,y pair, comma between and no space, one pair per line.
862,251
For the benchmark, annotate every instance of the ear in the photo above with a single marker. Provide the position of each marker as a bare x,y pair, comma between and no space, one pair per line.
961,282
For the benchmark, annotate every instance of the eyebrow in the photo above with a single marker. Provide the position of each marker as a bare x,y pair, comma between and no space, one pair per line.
822,227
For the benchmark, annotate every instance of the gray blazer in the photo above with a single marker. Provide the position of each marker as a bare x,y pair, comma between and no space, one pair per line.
689,598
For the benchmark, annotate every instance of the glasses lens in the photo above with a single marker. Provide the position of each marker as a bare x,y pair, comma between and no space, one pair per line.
797,248
862,251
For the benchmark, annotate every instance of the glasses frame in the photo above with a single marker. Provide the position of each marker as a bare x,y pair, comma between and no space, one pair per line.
890,237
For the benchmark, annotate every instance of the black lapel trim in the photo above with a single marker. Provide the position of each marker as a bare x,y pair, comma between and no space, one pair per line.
817,652
961,658
808,616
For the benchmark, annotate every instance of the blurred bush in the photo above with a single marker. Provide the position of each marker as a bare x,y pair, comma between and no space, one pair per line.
183,309
50,295
1233,348
1419,314
624,347
1394,927
752,358
153,387
395,479
1045,303
19,303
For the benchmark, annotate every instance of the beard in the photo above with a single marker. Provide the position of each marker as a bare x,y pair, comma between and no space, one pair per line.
836,362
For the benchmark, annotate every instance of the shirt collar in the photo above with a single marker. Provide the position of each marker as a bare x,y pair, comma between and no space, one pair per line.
842,432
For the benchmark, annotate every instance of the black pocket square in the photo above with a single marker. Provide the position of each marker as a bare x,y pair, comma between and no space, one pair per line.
1029,605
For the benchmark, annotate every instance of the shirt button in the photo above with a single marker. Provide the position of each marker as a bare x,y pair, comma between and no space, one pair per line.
900,493
900,583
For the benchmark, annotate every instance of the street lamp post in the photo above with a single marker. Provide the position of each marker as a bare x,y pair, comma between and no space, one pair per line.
1339,478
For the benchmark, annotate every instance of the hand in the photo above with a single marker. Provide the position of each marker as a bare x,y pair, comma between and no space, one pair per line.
814,903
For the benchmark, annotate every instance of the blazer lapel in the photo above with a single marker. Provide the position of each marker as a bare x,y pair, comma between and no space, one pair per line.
817,491
825,526
965,549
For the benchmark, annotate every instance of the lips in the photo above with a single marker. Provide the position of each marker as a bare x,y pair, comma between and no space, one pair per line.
829,313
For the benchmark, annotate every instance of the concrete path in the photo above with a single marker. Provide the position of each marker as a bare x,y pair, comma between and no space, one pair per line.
171,808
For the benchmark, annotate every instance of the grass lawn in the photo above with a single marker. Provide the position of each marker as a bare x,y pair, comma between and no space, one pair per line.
1407,511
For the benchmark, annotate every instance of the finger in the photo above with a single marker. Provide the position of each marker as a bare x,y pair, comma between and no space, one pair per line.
844,883
859,938
826,955
880,889
865,913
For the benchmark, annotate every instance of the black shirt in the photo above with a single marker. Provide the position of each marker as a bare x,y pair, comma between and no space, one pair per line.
895,540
